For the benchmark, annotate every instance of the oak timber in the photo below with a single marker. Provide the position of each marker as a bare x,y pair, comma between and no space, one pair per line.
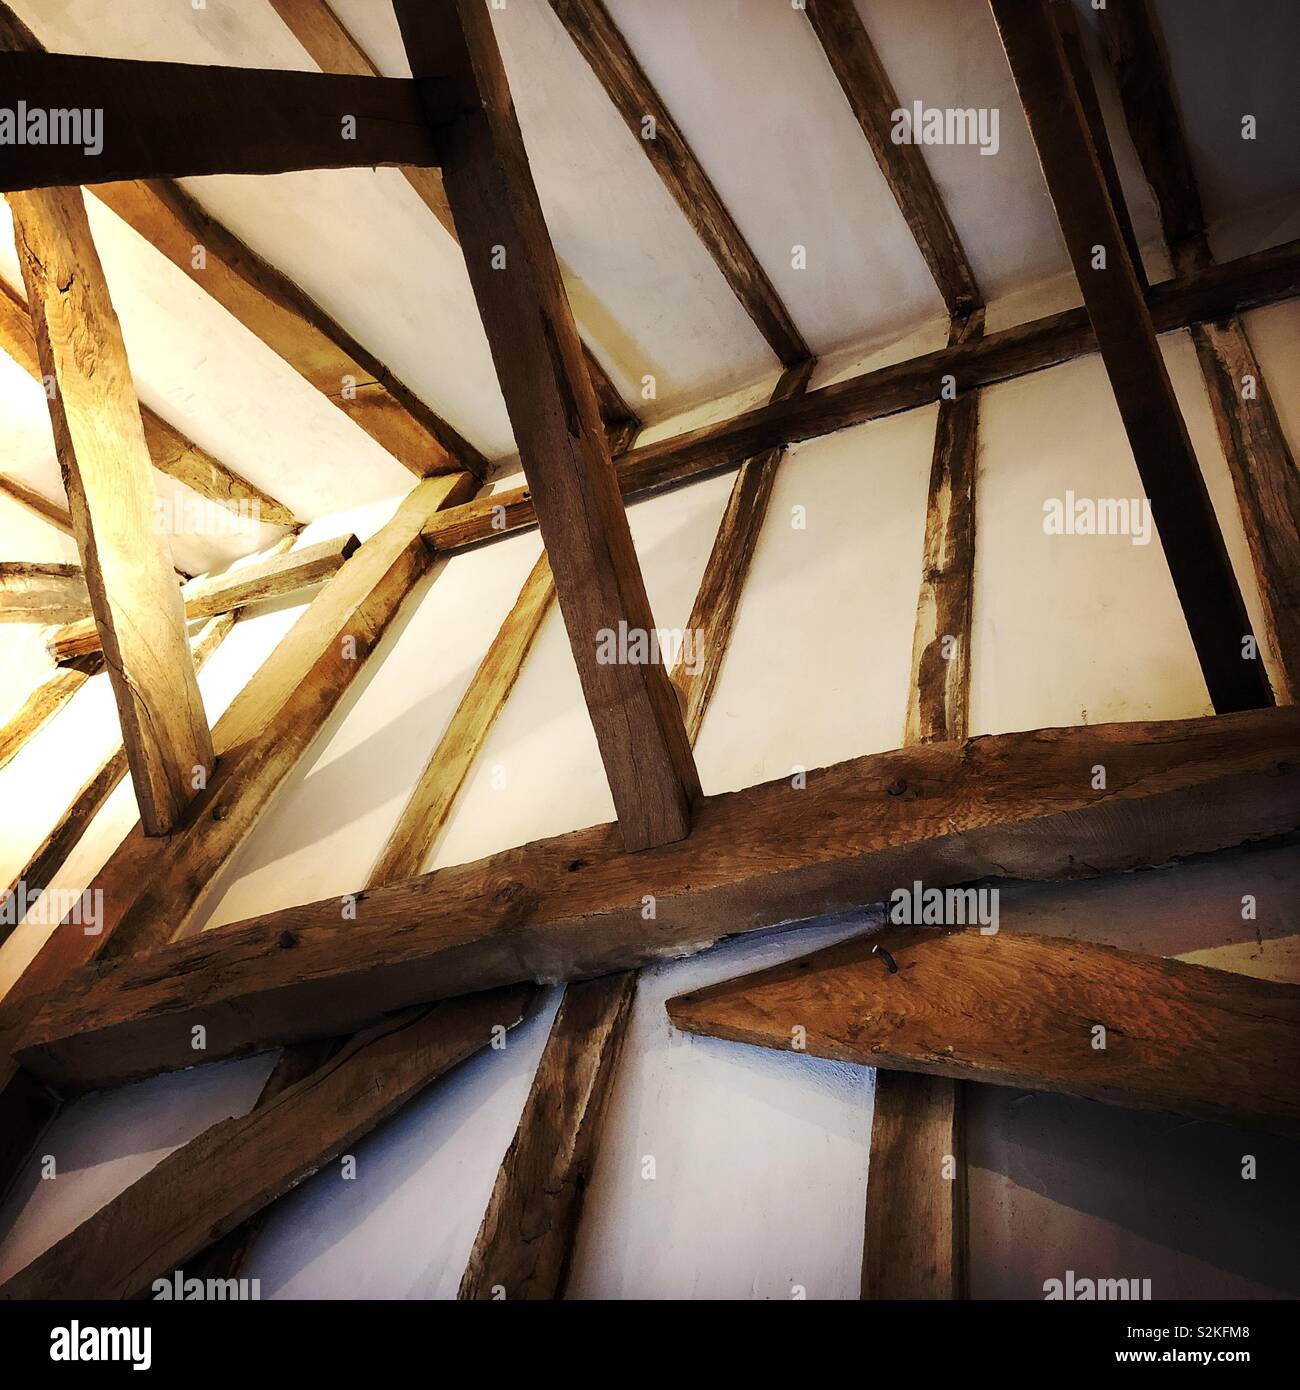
598,39
1265,277
1256,448
717,600
871,96
1166,462
525,1243
939,693
39,871
1034,1012
1016,806
333,49
552,409
208,595
915,1240
40,591
106,471
174,120
48,698
152,888
36,502
232,1170
170,451
430,803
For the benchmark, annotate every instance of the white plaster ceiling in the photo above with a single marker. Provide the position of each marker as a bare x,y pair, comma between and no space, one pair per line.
753,92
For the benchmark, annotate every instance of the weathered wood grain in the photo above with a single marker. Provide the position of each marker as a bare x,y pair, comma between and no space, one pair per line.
598,39
1018,1010
1265,277
914,1246
210,1185
39,591
1017,805
717,600
871,95
175,120
525,1243
552,408
205,597
106,471
1162,450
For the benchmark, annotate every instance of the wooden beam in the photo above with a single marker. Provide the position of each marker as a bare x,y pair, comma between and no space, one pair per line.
41,592
717,600
915,1241
105,464
37,503
1016,806
208,595
208,1186
130,119
1032,1012
152,888
170,451
333,49
939,694
426,811
1259,455
38,873
552,408
598,39
44,702
871,96
525,1242
1267,277
1166,462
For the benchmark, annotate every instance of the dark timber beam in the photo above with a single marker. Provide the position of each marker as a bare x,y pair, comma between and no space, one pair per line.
1015,806
607,52
1257,450
333,49
552,408
1266,277
105,462
871,95
1033,1012
137,119
1180,503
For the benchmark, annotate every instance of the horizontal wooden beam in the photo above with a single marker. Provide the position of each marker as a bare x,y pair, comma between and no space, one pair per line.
209,595
209,1186
40,592
1018,805
1033,1012
73,120
609,56
1266,277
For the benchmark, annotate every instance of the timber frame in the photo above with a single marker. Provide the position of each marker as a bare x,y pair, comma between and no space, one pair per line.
370,1009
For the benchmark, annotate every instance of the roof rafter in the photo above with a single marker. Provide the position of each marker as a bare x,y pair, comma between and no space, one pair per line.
607,52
